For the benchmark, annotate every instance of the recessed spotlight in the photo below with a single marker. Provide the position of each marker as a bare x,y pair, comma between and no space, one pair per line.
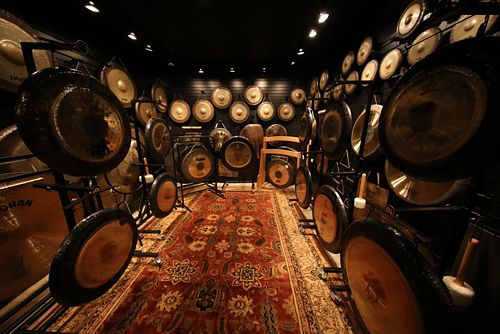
312,33
149,48
201,71
91,6
264,69
132,36
171,64
323,16
292,63
301,52
231,70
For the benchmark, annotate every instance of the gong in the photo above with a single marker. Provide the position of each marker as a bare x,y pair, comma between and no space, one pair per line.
322,164
179,111
280,171
313,89
411,18
390,63
364,51
317,100
337,92
327,95
369,71
425,44
468,26
219,136
372,145
255,134
391,293
12,145
222,97
163,195
203,111
297,96
441,115
275,130
306,184
144,111
92,257
336,129
159,94
351,87
266,111
89,142
286,112
13,31
323,80
306,131
237,154
253,95
120,82
347,63
198,164
158,139
330,217
126,173
239,112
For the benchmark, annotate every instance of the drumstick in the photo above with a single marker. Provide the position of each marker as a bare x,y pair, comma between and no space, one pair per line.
470,252
146,165
359,201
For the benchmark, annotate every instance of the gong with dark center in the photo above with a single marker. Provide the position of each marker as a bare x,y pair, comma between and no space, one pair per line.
120,82
297,96
72,123
394,289
306,184
222,97
253,95
198,164
255,134
411,18
203,111
425,44
286,112
275,130
237,154
330,216
219,136
159,94
280,170
158,139
372,145
336,129
163,195
144,110
92,257
307,127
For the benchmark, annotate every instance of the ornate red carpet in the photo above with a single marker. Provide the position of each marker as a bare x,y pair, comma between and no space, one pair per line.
227,268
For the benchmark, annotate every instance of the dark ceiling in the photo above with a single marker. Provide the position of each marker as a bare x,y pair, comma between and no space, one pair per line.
211,34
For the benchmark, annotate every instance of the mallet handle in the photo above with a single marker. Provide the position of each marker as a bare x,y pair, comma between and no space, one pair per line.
470,252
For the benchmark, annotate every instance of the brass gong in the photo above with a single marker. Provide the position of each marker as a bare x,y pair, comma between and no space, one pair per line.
239,112
163,195
372,144
306,184
411,18
297,96
347,63
275,130
317,100
158,93
198,164
12,145
13,31
280,171
158,139
390,63
253,95
468,26
237,153
179,111
336,129
266,111
144,111
313,89
351,87
364,51
219,136
307,127
222,97
425,44
126,173
203,111
286,112
323,80
370,71
337,92
120,82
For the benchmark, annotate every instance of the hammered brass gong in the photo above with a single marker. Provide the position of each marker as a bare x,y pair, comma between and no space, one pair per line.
197,165
237,153
120,82
313,89
370,71
351,87
159,94
163,195
179,111
468,26
286,112
411,18
239,112
390,63
219,137
144,111
253,95
222,97
372,144
203,111
266,111
425,44
364,51
337,92
347,63
323,80
297,96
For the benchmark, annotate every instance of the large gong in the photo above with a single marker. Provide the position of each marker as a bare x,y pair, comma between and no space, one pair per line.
411,18
159,94
307,127
286,112
390,64
92,257
297,96
198,164
330,216
372,145
158,139
222,97
203,111
163,195
253,95
179,111
266,111
239,112
442,115
280,170
393,287
306,184
237,154
120,82
336,129
88,142
425,44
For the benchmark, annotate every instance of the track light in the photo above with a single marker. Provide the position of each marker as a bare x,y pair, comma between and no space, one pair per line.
132,36
323,16
264,69
312,33
231,70
301,52
149,48
91,6
292,63
201,71
170,64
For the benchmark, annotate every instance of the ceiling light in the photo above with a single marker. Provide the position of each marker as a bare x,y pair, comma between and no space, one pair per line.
91,6
323,16
312,33
149,48
264,69
292,63
132,36
301,52
231,70
200,71
171,64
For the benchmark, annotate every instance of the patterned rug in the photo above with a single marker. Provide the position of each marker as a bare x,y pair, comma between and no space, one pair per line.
233,265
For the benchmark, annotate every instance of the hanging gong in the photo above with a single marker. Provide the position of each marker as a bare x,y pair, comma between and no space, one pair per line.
239,112
330,216
442,113
468,26
280,171
314,87
347,63
266,111
337,92
370,71
309,103
411,18
158,139
126,173
222,97
179,111
13,31
237,153
92,257
336,129
253,95
372,145
12,145
387,287
350,88
323,80
364,51
275,130
163,195
220,136
306,132
306,184
255,134
198,164
286,112
90,142
317,100
158,93
144,111
390,64
119,82
203,111
425,44
297,96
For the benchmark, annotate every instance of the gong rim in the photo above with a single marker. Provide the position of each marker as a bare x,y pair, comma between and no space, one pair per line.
116,71
390,63
179,111
283,114
424,45
163,195
235,164
221,97
198,165
372,145
239,112
253,95
336,129
364,51
298,96
199,111
158,139
404,29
